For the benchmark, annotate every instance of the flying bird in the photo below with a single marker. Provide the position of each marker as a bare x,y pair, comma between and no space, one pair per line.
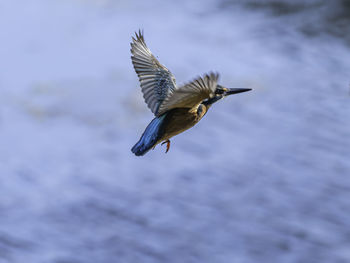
176,108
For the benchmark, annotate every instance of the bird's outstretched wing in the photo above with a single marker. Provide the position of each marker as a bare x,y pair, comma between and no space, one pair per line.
157,82
190,94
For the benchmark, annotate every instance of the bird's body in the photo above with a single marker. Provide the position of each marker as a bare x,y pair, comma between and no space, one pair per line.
176,108
166,126
180,119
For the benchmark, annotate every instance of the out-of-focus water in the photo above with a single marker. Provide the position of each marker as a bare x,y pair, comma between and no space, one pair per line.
264,177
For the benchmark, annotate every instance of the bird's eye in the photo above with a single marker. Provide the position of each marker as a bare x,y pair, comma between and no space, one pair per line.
219,90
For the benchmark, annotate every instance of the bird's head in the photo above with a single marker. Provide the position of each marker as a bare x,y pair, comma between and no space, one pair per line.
222,92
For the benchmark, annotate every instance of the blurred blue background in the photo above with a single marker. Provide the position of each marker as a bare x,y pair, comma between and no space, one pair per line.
264,177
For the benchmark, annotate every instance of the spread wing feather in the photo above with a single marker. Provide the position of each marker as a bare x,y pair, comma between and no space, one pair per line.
156,80
191,94
158,83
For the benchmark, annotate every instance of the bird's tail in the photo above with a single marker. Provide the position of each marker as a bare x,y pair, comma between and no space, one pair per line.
149,137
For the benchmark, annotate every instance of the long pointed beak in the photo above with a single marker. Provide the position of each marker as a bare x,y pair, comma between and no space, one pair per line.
235,91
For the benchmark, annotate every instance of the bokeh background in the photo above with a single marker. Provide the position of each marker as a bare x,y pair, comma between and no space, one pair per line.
264,177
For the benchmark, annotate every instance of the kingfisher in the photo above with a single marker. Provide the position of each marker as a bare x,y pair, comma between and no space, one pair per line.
176,108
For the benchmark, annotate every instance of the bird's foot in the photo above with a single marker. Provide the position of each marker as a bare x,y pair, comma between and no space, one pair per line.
167,145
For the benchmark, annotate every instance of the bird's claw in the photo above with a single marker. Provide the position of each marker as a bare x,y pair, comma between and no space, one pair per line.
167,145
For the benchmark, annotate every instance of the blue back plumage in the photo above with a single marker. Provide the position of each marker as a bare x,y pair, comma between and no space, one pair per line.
149,137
